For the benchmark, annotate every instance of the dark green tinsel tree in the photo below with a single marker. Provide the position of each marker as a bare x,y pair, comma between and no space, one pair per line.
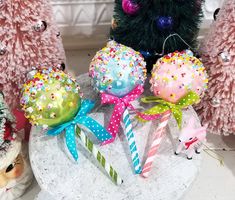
144,25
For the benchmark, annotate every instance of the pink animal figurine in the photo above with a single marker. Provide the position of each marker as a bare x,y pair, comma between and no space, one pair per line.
191,139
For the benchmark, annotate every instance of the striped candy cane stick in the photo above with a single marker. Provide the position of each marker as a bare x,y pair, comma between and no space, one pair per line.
88,144
157,138
131,141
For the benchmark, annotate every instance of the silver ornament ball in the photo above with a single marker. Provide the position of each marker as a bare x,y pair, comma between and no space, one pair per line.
225,56
40,26
215,102
30,74
3,49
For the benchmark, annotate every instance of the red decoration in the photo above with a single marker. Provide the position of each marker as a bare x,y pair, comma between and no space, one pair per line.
8,131
22,123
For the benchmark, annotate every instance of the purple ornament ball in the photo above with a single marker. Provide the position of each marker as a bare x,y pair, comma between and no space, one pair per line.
165,23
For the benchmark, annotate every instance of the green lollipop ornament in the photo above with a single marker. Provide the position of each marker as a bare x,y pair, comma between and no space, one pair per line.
51,98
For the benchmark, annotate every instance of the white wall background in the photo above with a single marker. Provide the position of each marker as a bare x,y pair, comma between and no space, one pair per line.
85,23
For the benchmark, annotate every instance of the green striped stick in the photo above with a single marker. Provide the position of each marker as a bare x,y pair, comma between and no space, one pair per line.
88,144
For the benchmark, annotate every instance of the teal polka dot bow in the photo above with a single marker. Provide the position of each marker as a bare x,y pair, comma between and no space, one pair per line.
80,119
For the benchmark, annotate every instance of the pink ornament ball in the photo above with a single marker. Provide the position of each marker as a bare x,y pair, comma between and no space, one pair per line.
130,7
175,74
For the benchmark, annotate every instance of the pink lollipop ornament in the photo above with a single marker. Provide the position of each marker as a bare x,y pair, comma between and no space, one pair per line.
178,80
175,74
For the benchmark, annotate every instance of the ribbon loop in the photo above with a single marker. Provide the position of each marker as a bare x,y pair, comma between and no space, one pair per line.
188,100
120,105
150,99
153,113
98,130
86,107
71,141
109,99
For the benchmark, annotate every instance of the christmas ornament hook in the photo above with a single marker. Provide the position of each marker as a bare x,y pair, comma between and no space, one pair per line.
168,37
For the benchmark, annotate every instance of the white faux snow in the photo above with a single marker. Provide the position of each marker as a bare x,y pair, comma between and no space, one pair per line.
62,178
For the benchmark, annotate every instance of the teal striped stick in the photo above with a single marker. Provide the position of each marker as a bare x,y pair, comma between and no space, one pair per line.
88,144
131,141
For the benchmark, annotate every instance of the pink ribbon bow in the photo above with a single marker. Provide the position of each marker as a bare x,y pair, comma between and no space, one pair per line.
120,105
188,144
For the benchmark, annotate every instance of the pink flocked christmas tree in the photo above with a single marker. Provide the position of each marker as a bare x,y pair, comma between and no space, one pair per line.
217,108
28,38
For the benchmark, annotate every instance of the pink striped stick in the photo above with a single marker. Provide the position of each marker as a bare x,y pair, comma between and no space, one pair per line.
157,138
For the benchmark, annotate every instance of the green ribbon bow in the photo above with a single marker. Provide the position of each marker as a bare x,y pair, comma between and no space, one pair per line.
176,109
